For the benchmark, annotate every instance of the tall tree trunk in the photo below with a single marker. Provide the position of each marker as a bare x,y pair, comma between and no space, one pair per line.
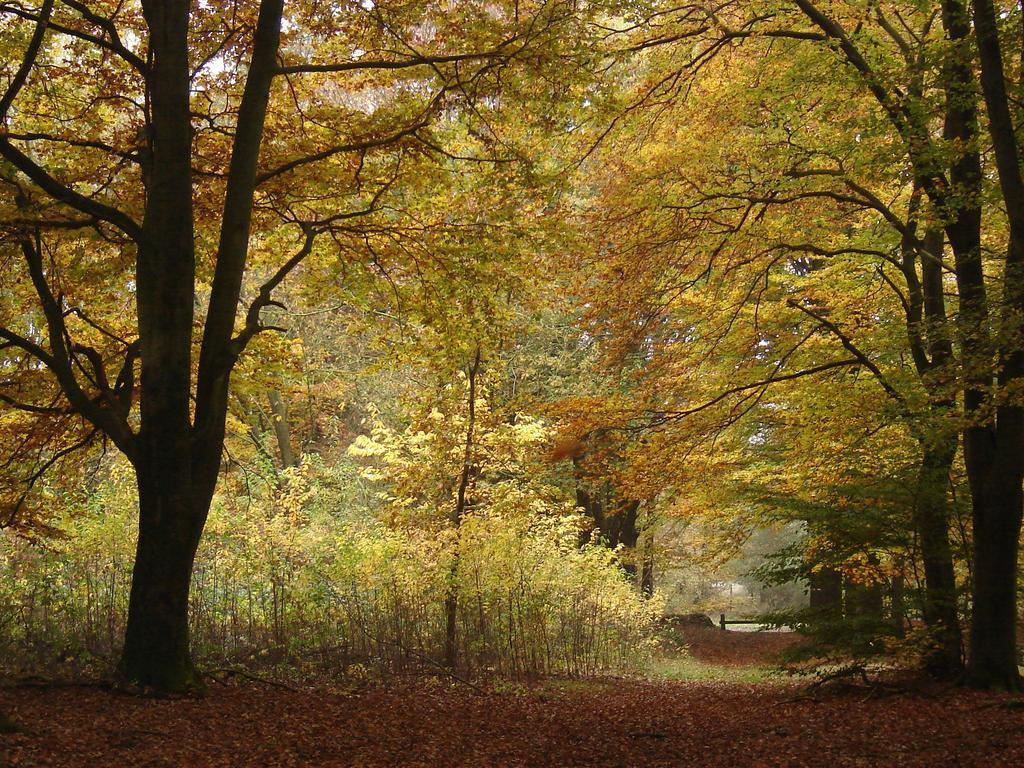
938,449
279,415
582,502
628,533
931,519
647,572
897,598
993,649
825,586
616,522
177,461
451,645
996,468
157,650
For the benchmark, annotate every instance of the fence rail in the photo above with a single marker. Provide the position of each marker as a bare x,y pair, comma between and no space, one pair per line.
723,622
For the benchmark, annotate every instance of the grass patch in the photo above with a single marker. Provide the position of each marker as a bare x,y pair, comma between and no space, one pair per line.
689,668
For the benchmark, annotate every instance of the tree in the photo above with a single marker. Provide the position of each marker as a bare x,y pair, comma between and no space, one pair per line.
914,73
173,154
751,243
993,359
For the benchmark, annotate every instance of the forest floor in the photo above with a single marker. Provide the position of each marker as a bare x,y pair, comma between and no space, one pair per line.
687,715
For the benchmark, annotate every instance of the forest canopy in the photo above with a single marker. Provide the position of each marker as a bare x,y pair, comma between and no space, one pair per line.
484,336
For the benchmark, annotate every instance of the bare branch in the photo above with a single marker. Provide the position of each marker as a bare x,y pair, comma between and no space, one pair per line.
41,410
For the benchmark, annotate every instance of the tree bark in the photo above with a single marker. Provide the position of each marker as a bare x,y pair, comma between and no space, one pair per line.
996,462
938,450
992,661
157,651
451,608
826,591
931,519
616,522
647,571
177,462
897,600
279,415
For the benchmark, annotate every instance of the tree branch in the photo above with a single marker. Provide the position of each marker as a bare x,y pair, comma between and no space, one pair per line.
853,349
384,64
59,360
64,194
27,61
666,416
215,354
341,148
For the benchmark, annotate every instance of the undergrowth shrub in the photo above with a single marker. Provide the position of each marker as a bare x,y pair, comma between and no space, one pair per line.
282,577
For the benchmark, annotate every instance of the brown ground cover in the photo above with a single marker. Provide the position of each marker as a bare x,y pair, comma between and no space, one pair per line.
441,722
612,723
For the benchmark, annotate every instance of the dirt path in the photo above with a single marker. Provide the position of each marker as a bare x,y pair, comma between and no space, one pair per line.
608,724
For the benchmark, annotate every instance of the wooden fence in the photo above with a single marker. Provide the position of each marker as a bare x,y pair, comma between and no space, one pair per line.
723,622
